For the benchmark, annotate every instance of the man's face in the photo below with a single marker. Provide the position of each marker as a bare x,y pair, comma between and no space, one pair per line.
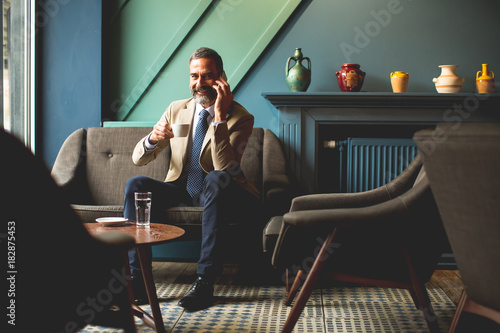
202,77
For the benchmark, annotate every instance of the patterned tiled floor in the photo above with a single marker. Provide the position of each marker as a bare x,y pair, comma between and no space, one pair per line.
261,309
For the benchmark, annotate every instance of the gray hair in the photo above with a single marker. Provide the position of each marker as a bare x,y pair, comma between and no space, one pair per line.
205,52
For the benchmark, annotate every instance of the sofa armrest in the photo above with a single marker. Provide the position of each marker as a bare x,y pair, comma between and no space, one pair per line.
399,185
419,199
340,200
69,168
386,212
69,158
276,183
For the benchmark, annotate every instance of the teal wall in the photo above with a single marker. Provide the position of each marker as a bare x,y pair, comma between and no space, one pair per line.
416,37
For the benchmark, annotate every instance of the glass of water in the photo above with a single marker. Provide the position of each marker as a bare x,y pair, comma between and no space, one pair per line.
142,209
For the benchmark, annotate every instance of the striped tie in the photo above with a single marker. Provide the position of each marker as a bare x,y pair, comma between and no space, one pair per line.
196,173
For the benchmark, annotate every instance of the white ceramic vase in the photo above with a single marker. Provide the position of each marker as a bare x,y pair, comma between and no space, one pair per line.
448,81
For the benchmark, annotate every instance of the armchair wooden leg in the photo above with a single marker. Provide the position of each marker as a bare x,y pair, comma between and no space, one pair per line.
420,295
465,304
458,312
297,282
311,279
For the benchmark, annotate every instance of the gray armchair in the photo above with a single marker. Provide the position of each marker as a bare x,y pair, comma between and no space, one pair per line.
463,166
391,236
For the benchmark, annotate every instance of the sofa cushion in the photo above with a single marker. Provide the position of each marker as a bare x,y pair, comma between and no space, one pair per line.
109,162
88,213
184,215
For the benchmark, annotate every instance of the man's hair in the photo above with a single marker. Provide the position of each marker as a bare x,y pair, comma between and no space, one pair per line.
205,52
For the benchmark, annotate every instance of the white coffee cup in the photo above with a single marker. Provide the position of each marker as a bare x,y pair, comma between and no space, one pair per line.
180,130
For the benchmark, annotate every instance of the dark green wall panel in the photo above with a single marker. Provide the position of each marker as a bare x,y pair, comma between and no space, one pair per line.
151,42
144,36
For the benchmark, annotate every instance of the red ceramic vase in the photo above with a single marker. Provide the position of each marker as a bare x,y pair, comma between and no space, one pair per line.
350,77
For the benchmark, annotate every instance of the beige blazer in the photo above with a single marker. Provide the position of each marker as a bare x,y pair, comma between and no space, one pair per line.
222,148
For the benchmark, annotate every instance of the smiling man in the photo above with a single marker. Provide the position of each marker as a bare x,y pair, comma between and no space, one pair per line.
204,168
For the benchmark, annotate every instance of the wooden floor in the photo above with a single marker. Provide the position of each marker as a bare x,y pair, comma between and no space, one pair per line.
447,280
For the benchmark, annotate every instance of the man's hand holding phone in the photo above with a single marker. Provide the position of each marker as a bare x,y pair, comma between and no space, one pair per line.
224,98
161,131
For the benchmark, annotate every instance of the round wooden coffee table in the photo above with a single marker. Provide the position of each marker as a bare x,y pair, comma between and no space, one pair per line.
155,234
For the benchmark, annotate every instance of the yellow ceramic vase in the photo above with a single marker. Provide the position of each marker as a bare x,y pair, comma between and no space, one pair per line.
485,81
399,81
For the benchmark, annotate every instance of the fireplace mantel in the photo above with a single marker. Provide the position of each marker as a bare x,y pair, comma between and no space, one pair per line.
302,116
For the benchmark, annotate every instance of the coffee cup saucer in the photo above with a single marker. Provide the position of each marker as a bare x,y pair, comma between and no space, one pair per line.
111,221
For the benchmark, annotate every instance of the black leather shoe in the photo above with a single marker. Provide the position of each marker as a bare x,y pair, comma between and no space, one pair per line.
139,288
199,297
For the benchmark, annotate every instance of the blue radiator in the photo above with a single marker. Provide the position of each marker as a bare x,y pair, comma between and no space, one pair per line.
367,163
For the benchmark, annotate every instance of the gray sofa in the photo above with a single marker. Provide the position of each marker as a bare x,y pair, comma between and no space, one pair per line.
93,166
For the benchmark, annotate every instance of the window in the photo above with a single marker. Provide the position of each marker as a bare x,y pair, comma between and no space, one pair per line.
17,82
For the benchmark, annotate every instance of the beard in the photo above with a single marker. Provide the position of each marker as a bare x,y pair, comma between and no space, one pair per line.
205,99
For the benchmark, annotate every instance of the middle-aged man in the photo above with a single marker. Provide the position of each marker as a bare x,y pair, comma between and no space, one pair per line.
204,168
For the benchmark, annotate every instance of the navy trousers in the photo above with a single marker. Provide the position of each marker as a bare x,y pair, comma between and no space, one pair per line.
221,198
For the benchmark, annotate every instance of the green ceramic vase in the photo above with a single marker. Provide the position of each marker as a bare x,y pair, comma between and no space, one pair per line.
298,77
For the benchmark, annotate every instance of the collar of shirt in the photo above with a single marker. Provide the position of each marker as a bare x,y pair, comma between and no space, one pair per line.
197,112
210,109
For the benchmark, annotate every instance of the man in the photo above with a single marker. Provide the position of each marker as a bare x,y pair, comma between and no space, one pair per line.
208,177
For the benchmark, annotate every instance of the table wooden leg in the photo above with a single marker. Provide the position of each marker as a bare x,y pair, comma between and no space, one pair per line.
130,324
150,289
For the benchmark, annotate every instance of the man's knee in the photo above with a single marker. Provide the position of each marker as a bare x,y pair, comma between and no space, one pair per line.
135,184
217,180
